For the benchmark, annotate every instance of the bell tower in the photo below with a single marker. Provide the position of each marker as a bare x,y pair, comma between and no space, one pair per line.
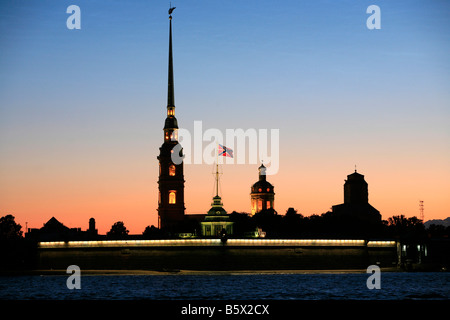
262,194
171,178
355,189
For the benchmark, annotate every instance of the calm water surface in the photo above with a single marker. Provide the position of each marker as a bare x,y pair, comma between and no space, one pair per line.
394,286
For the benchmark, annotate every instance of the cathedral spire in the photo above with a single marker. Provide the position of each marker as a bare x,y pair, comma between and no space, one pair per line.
170,90
171,178
171,122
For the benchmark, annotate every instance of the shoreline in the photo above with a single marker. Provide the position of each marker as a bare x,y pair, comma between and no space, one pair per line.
111,272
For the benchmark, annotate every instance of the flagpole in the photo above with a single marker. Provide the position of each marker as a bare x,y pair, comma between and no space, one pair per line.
217,171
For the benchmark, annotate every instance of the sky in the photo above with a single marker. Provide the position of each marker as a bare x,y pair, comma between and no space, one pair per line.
82,111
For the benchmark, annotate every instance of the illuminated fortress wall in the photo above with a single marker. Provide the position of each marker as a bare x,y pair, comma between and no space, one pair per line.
212,254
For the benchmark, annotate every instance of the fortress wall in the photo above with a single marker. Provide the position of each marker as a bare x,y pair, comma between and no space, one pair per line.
217,258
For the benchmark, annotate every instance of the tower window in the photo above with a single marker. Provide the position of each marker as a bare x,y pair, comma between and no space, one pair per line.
260,205
172,197
268,189
172,170
268,205
260,190
253,206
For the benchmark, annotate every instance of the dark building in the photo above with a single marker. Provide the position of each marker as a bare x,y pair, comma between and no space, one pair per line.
171,178
53,230
92,229
262,194
355,189
356,200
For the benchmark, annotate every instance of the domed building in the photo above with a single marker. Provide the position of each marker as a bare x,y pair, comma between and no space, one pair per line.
262,194
217,221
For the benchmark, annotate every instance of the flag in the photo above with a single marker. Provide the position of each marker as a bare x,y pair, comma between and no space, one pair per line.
225,152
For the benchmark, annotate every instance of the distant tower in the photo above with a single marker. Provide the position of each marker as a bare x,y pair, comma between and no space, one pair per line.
92,230
356,200
91,224
355,189
262,195
421,215
171,178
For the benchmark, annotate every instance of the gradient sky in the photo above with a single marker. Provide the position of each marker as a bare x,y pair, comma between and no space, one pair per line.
82,111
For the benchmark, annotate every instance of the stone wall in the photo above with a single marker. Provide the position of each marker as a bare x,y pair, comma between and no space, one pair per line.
217,258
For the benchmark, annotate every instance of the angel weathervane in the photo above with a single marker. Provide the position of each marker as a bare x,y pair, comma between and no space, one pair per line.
170,11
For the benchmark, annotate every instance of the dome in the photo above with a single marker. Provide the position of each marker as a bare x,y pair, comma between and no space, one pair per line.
171,123
262,186
217,212
217,207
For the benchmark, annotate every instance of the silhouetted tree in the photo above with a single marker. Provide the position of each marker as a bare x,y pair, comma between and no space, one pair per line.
9,229
153,233
16,252
118,231
405,228
330,225
292,225
438,231
291,212
269,221
242,223
313,226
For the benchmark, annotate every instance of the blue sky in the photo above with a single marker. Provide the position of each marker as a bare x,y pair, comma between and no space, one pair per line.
79,100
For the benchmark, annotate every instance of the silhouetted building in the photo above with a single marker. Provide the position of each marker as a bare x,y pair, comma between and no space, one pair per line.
356,189
92,231
356,200
53,230
171,178
262,194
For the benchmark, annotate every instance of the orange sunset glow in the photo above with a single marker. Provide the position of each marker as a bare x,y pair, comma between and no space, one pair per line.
111,194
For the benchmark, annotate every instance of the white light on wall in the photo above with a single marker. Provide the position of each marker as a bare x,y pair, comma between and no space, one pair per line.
216,242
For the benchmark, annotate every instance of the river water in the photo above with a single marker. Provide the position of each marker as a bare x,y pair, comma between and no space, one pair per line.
257,286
